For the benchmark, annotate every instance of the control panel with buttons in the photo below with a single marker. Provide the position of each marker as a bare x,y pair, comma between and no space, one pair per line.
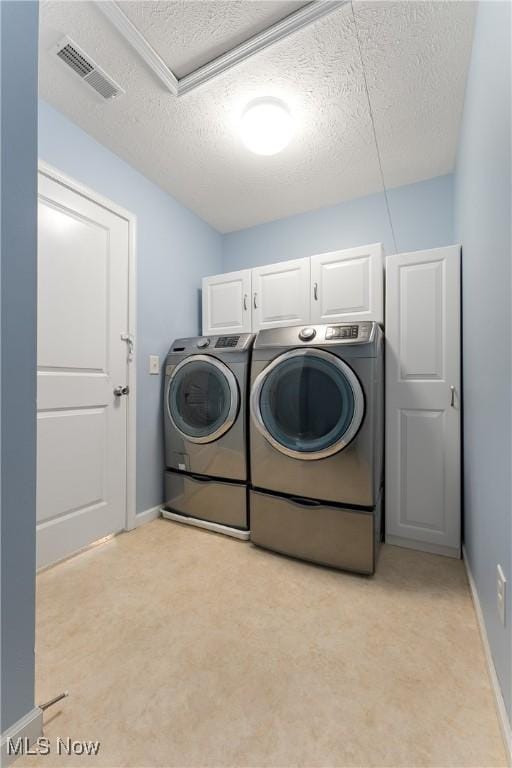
342,332
225,342
240,343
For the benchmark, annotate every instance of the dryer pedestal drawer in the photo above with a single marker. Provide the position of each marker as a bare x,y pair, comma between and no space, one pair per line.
324,534
206,499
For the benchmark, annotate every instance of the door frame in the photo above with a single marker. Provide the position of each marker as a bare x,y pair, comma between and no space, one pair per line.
131,411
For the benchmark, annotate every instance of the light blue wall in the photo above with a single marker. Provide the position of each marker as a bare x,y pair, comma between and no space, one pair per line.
483,217
175,249
18,75
422,216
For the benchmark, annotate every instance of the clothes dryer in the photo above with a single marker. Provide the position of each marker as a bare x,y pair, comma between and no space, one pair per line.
316,403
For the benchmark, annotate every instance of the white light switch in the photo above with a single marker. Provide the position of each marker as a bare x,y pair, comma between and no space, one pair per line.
154,364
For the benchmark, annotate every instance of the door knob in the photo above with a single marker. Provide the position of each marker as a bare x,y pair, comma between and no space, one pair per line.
120,391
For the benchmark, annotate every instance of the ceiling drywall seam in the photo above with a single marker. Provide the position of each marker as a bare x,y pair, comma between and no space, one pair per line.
381,170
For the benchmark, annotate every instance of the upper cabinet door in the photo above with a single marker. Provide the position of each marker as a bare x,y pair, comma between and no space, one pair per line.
227,303
280,294
348,285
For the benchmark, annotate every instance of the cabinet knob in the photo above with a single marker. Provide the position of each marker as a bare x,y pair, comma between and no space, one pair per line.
254,300
315,291
245,302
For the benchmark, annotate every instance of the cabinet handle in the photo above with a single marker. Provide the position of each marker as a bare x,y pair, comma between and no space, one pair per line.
305,502
254,301
199,478
245,302
452,399
315,291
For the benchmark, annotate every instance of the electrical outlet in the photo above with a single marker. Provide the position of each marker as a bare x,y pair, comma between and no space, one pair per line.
501,593
154,364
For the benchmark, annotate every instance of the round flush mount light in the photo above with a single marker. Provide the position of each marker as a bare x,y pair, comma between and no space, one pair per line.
266,126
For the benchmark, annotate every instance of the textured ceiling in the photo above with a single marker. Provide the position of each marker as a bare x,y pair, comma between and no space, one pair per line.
189,33
416,57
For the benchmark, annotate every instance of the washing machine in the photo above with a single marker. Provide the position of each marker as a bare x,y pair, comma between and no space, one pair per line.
316,443
205,429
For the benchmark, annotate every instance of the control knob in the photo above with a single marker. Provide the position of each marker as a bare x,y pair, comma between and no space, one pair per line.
203,343
306,334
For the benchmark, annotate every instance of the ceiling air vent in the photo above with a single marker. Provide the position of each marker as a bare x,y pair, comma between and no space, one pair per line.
72,55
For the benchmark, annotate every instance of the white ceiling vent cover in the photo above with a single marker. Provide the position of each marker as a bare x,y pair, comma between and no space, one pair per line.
82,64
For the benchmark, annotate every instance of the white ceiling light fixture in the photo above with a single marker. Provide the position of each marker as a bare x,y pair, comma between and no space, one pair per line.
266,126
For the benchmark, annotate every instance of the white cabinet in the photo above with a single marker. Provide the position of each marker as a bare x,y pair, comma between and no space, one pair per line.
347,285
342,286
280,294
423,400
227,303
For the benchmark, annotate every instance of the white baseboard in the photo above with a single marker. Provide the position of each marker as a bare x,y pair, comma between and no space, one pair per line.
147,516
505,726
29,728
423,546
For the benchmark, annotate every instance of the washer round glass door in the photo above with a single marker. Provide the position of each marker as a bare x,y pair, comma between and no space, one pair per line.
307,403
202,398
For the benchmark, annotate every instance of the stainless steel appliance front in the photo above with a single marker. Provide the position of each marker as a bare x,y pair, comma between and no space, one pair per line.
205,498
312,530
316,442
307,403
202,398
205,406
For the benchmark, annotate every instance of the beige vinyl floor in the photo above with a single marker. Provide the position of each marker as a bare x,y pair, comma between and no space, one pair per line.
180,647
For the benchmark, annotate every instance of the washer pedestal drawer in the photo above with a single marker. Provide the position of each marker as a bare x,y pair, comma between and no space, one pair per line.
206,499
310,530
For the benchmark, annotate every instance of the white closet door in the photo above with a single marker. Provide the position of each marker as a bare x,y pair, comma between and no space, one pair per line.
280,294
227,303
423,400
81,424
347,285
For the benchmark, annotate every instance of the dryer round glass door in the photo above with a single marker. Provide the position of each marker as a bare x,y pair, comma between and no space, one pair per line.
202,398
307,403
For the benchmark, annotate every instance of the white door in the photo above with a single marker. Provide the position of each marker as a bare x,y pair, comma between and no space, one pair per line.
423,400
227,303
280,294
347,285
81,425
